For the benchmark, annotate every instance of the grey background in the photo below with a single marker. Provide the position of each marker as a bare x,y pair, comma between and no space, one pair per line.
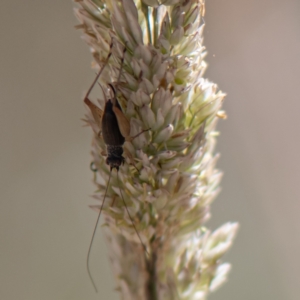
45,224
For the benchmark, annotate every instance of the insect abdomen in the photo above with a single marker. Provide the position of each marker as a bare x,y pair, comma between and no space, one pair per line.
110,128
112,137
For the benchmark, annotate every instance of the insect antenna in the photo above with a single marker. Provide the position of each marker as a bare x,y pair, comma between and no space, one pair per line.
86,100
131,217
93,236
115,129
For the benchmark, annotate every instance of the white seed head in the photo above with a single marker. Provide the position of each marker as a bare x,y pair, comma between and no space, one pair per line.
174,179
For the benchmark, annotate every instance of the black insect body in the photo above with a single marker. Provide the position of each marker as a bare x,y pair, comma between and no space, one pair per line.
115,129
112,136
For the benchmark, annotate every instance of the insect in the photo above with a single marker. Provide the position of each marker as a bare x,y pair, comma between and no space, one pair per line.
115,130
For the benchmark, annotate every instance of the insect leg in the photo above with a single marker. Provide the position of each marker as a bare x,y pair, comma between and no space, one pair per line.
131,218
131,138
119,78
95,110
123,123
86,100
120,72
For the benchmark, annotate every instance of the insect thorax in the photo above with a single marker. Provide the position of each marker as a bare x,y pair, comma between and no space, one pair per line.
114,156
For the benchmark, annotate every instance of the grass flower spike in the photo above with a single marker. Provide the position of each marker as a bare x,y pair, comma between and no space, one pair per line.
169,179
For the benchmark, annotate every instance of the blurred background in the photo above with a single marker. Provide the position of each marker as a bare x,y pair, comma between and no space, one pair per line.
45,222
